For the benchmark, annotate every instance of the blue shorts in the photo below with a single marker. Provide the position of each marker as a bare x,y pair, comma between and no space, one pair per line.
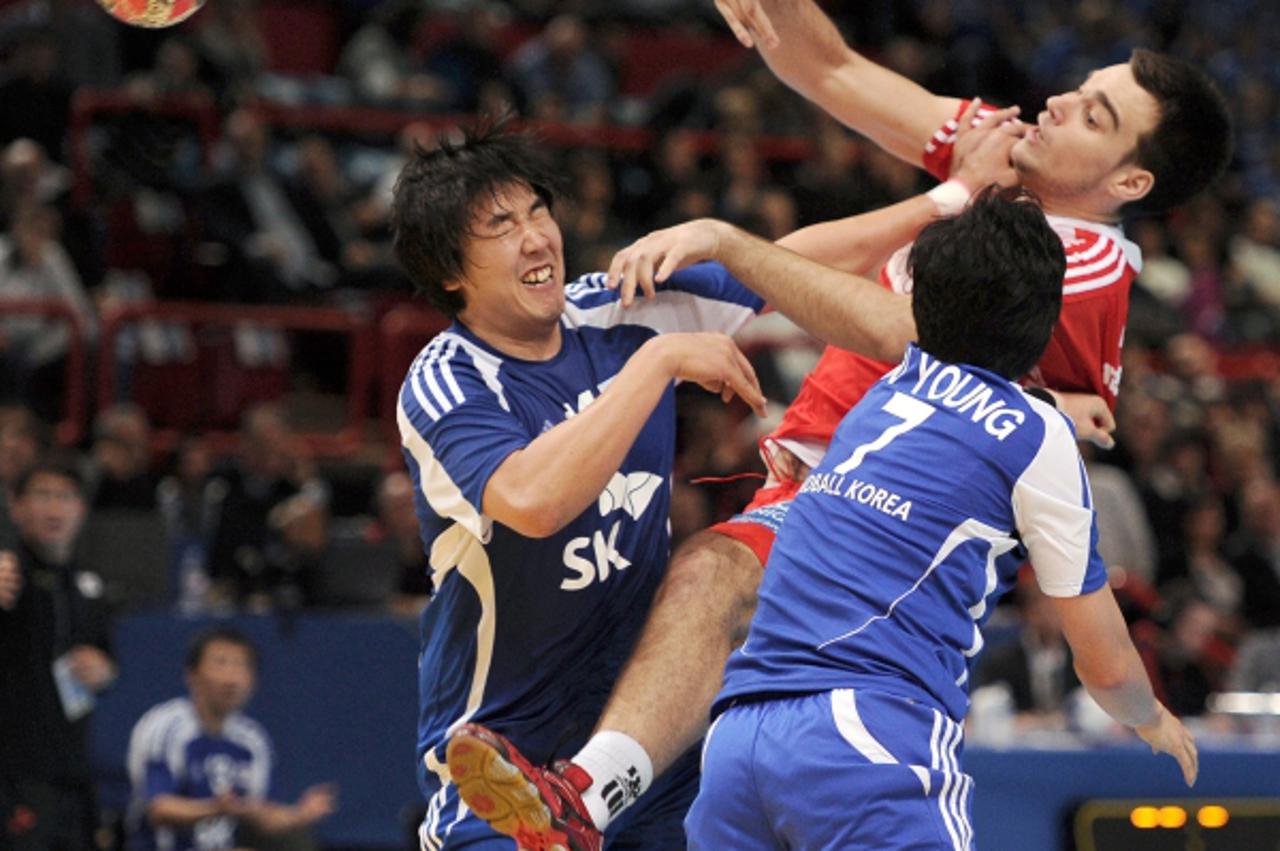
832,770
654,823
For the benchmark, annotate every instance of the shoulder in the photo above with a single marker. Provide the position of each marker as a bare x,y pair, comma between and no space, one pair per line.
248,733
448,371
1099,257
161,723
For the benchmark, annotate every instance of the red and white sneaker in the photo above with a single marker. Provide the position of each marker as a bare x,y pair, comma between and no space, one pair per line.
541,808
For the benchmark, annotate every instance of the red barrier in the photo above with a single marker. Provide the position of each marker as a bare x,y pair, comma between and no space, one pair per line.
75,395
226,317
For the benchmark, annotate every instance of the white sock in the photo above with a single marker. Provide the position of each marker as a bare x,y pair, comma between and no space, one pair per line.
620,772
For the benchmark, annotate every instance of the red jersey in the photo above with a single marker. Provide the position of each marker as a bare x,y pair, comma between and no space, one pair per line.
1083,354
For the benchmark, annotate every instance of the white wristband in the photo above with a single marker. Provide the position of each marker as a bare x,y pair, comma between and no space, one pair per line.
950,198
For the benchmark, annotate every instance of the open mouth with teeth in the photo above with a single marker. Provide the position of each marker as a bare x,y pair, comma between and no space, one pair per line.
537,277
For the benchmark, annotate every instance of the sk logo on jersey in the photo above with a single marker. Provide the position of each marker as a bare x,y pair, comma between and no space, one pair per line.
630,494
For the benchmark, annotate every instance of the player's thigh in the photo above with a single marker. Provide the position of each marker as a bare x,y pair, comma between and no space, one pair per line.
727,812
863,771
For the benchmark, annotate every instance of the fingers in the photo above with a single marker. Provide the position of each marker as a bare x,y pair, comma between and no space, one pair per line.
744,382
748,22
730,16
1191,763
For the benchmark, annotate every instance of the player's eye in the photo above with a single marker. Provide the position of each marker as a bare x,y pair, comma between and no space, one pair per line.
1089,119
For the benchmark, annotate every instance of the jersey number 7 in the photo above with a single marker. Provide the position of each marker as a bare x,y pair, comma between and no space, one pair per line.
909,409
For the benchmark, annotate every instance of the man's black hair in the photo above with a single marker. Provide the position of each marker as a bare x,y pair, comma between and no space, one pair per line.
437,193
988,283
201,641
53,464
1192,141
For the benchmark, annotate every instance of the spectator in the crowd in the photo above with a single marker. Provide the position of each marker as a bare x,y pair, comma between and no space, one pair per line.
278,244
54,657
28,176
1036,665
33,348
230,40
1214,579
296,549
1257,664
1190,659
379,59
398,527
119,471
560,74
1255,551
467,62
35,98
271,467
188,515
201,769
22,440
1125,537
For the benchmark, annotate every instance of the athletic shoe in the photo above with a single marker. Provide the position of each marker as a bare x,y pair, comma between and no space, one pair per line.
541,808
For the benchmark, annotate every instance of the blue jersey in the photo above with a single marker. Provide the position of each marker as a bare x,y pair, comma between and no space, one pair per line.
169,754
523,635
936,487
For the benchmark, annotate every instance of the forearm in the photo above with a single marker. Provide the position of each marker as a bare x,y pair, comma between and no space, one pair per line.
536,493
860,244
272,817
1128,697
812,58
838,308
179,812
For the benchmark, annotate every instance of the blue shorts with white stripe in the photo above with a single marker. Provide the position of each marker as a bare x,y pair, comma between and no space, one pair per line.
840,769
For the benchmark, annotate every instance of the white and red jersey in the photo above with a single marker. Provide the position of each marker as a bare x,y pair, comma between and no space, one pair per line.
1083,355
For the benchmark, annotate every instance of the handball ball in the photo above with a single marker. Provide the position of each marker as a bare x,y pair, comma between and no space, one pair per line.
151,13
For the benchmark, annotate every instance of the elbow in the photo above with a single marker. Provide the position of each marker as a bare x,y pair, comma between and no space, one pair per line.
535,518
893,339
1104,675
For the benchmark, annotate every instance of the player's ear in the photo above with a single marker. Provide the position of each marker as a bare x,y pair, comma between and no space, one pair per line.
1131,182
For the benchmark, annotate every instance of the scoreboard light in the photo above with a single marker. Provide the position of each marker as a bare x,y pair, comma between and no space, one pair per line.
1178,825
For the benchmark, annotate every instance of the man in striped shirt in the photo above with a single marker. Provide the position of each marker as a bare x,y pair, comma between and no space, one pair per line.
1134,138
200,768
539,432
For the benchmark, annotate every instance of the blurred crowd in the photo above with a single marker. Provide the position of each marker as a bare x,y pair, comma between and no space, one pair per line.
226,160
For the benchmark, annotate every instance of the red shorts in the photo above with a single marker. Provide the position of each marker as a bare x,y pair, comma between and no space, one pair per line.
758,524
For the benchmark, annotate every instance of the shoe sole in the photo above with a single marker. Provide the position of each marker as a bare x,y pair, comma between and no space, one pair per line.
493,786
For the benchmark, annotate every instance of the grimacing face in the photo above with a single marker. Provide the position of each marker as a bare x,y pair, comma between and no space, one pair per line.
1083,142
513,266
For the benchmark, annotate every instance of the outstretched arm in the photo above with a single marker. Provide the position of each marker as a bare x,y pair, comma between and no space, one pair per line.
809,55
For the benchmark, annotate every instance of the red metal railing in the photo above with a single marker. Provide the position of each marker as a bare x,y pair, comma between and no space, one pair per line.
69,429
357,328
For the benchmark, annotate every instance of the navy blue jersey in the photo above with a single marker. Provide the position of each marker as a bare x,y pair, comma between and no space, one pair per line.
523,635
169,754
936,487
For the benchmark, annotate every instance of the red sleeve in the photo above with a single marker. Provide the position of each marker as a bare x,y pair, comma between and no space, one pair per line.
937,151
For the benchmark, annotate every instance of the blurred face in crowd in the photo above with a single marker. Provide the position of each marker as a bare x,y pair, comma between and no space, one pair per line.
49,514
395,507
513,269
222,680
1081,147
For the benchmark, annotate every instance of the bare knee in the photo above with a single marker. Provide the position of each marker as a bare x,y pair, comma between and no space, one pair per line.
718,576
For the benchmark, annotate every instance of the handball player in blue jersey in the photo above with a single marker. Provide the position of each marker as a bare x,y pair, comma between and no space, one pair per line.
539,431
839,724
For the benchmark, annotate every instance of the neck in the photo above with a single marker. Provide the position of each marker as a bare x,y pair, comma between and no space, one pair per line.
1079,208
520,343
211,722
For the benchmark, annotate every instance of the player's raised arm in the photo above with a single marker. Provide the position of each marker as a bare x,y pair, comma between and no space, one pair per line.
811,56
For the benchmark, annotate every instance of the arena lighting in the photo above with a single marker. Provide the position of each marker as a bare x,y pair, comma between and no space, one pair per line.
1172,817
1213,816
1245,703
